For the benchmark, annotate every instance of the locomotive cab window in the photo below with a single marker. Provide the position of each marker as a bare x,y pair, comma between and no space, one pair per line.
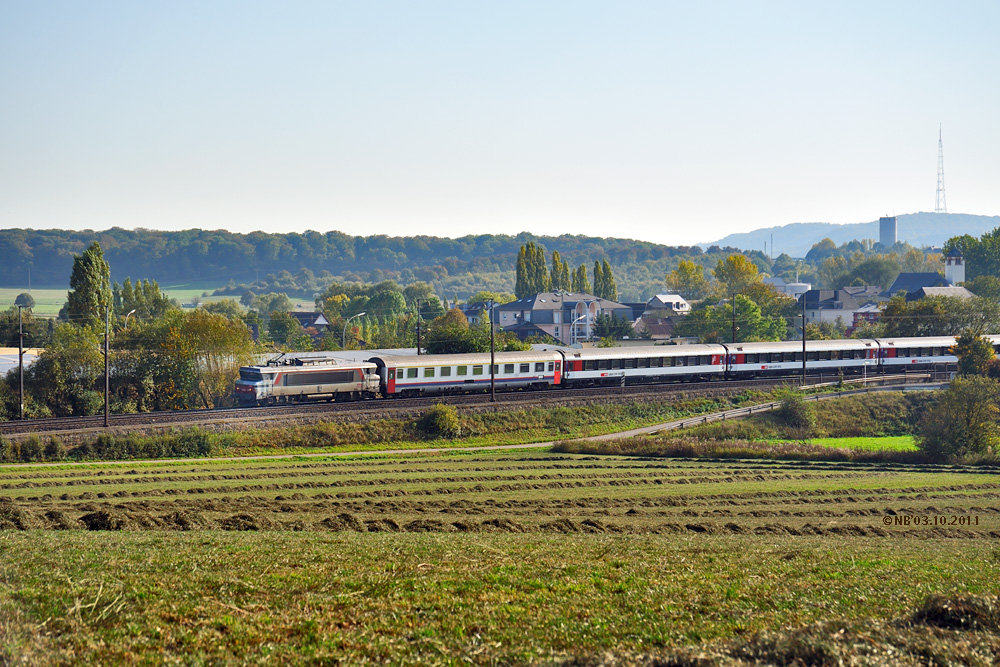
250,375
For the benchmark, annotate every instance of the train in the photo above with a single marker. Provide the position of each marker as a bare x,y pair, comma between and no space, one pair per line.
311,377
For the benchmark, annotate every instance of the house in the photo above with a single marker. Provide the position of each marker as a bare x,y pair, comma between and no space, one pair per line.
911,282
866,314
832,305
672,302
958,292
657,328
568,317
311,319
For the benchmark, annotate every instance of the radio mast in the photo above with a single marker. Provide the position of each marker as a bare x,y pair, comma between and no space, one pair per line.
940,205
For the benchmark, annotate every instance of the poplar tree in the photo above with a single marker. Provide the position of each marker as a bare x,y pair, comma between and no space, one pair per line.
560,277
580,283
90,287
598,279
532,273
610,286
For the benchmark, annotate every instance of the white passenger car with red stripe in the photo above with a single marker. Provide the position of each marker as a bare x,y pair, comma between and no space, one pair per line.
902,353
660,363
758,359
415,375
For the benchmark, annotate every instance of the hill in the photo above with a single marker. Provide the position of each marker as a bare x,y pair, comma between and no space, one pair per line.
205,260
917,229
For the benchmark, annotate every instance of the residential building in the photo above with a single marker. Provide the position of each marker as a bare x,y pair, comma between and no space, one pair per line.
911,282
833,305
566,316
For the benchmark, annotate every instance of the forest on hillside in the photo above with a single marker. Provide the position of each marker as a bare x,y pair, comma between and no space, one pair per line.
455,267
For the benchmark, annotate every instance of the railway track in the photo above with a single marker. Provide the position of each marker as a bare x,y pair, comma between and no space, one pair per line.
359,409
222,418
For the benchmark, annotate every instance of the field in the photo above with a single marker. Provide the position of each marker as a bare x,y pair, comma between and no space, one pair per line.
491,558
47,301
891,443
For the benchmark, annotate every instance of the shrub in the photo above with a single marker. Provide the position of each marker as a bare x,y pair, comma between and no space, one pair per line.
440,421
32,449
795,412
963,422
55,449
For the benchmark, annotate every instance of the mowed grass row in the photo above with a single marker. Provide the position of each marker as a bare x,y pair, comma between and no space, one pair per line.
480,558
315,598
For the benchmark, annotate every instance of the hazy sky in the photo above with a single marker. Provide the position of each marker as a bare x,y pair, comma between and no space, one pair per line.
675,122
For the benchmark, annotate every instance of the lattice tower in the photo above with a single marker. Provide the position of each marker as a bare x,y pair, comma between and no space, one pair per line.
940,204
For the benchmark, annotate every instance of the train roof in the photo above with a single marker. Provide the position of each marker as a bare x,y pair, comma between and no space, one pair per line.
315,364
405,361
796,345
931,341
643,351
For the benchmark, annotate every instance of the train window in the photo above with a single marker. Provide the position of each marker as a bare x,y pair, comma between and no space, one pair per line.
656,362
399,373
751,359
445,371
705,359
589,365
477,370
902,352
508,369
428,372
925,352
938,351
539,366
629,363
525,368
249,375
603,364
558,365
811,356
834,355
462,370
411,372
616,364
550,366
644,363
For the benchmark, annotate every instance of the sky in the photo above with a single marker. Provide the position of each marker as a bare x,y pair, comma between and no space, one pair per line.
672,122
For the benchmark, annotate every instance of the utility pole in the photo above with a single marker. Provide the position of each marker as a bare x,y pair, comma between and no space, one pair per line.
732,302
107,365
493,368
804,338
20,361
418,325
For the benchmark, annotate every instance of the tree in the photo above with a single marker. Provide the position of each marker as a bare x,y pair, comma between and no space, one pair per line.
610,285
714,324
987,287
25,300
90,287
580,283
282,326
737,274
974,354
228,307
963,422
688,280
265,304
559,276
449,334
484,296
609,325
144,297
532,276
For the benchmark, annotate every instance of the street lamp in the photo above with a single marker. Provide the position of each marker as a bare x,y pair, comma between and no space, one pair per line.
343,343
128,315
572,328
